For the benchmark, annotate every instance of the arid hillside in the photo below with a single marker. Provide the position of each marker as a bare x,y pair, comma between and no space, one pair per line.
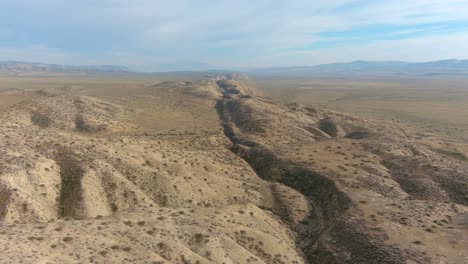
376,194
210,171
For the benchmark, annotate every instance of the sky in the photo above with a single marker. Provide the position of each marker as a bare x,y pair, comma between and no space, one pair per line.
156,35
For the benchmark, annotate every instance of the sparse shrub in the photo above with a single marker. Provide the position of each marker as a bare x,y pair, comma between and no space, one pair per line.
82,125
71,173
328,126
114,207
198,238
126,249
40,120
35,238
67,239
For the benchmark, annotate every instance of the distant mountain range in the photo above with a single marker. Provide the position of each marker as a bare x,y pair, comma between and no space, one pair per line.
355,68
34,67
433,68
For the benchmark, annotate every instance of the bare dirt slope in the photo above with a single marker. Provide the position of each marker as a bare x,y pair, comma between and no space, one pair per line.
210,171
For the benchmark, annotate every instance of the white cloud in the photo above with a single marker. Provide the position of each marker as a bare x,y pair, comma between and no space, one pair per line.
416,50
242,32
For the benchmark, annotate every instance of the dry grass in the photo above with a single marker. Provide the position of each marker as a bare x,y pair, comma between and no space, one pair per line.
160,183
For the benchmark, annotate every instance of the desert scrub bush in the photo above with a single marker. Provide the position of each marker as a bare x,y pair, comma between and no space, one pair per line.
328,126
40,120
31,238
114,207
71,173
82,125
5,196
198,238
127,249
67,239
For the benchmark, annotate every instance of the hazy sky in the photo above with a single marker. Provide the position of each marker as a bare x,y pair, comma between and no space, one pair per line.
198,34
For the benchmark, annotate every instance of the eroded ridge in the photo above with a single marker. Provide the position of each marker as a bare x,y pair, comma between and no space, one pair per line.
132,179
210,171
374,196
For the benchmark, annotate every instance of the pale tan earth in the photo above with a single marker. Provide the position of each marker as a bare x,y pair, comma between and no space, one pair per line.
141,170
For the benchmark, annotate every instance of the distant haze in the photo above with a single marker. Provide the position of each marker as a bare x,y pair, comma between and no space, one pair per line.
376,68
185,35
22,67
356,68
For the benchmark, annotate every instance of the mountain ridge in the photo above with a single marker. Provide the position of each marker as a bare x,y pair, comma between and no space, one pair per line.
20,67
389,67
360,63
440,67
